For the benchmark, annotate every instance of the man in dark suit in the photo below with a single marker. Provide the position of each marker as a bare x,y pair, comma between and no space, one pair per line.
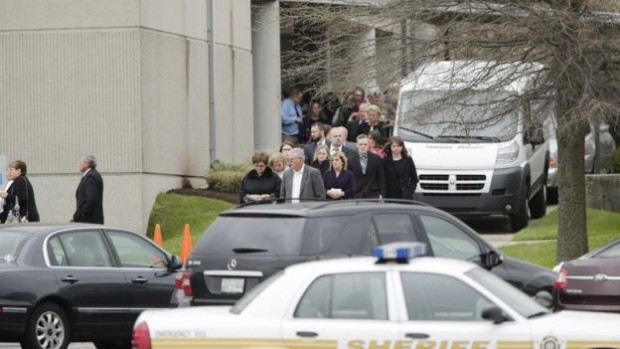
301,181
89,194
339,142
317,132
368,171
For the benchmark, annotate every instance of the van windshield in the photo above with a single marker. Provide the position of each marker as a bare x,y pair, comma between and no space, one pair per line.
475,116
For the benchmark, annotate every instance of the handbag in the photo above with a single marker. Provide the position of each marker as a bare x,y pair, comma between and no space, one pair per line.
13,217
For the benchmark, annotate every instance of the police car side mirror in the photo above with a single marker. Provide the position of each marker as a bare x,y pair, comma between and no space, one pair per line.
174,263
492,259
494,314
544,298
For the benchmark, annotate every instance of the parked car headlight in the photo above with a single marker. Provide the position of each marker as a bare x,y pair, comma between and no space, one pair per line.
508,154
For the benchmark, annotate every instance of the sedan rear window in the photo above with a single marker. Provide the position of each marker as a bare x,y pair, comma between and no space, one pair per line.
253,235
11,244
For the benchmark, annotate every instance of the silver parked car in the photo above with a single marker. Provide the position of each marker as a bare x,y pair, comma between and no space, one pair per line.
607,146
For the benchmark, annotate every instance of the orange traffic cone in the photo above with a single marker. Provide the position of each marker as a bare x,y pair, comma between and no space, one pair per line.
186,244
157,238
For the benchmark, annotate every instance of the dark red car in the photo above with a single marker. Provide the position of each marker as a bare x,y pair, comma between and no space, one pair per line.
591,282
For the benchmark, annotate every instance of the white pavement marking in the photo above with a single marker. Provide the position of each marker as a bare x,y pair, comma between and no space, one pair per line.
72,346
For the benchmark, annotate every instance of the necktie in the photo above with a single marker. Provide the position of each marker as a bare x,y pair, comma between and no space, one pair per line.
364,163
335,150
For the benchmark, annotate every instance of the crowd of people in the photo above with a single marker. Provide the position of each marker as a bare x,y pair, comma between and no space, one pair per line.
335,152
18,203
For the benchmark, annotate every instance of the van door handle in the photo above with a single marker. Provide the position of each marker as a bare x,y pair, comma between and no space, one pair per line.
307,334
70,279
139,280
417,335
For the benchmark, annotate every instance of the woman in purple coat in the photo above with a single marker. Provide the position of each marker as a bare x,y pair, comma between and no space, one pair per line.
339,182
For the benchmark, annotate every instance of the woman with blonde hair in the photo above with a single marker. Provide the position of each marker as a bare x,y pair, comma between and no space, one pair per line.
278,164
321,160
339,182
373,122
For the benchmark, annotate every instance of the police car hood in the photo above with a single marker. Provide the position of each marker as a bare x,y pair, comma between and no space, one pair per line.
466,156
562,324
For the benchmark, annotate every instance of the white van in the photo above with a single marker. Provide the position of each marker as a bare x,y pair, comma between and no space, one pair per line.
477,137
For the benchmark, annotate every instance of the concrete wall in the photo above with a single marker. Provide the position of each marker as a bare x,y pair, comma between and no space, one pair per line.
127,81
603,192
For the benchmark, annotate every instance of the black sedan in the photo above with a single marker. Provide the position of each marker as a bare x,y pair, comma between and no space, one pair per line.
78,282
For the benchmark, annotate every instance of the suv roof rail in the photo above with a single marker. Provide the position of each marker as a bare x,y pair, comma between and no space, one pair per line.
279,201
388,201
327,202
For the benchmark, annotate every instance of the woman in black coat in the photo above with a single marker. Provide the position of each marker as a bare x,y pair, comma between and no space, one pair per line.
321,159
19,193
261,183
400,174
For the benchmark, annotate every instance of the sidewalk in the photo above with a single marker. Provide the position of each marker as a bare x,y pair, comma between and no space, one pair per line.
500,240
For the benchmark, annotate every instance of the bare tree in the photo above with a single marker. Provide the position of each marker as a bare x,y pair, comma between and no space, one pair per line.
576,43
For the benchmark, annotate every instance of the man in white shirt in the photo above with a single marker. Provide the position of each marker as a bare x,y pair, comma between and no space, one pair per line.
301,182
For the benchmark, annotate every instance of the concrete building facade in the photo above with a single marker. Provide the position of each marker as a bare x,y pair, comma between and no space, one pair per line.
130,82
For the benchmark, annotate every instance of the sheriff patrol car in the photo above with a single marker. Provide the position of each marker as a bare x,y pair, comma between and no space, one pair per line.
396,300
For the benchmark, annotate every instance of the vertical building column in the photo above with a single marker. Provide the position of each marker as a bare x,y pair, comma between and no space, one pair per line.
266,71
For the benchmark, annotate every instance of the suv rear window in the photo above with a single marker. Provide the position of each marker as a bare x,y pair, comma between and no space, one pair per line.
261,235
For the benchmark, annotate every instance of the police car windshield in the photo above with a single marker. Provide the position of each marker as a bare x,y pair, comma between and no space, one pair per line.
516,299
253,293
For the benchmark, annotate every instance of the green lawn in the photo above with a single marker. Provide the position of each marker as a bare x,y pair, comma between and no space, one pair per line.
603,226
173,211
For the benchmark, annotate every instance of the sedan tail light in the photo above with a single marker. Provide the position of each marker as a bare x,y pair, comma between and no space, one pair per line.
186,284
178,281
141,338
562,281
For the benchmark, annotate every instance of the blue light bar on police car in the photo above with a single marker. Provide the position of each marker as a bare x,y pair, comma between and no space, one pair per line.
400,251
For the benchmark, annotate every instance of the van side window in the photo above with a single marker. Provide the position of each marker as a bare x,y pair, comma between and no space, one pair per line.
345,296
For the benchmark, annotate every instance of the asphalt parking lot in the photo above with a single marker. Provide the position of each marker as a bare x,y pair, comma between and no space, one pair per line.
494,229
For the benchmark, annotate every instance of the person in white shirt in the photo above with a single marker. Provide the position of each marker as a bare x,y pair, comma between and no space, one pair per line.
300,181
5,189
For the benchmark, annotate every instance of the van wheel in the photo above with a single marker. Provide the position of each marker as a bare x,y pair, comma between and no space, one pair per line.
48,328
552,195
538,204
520,219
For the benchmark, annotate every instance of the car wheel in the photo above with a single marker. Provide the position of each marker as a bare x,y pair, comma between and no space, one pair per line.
520,219
48,328
112,345
538,204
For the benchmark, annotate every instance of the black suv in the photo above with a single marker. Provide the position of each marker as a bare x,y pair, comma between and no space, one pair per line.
247,244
